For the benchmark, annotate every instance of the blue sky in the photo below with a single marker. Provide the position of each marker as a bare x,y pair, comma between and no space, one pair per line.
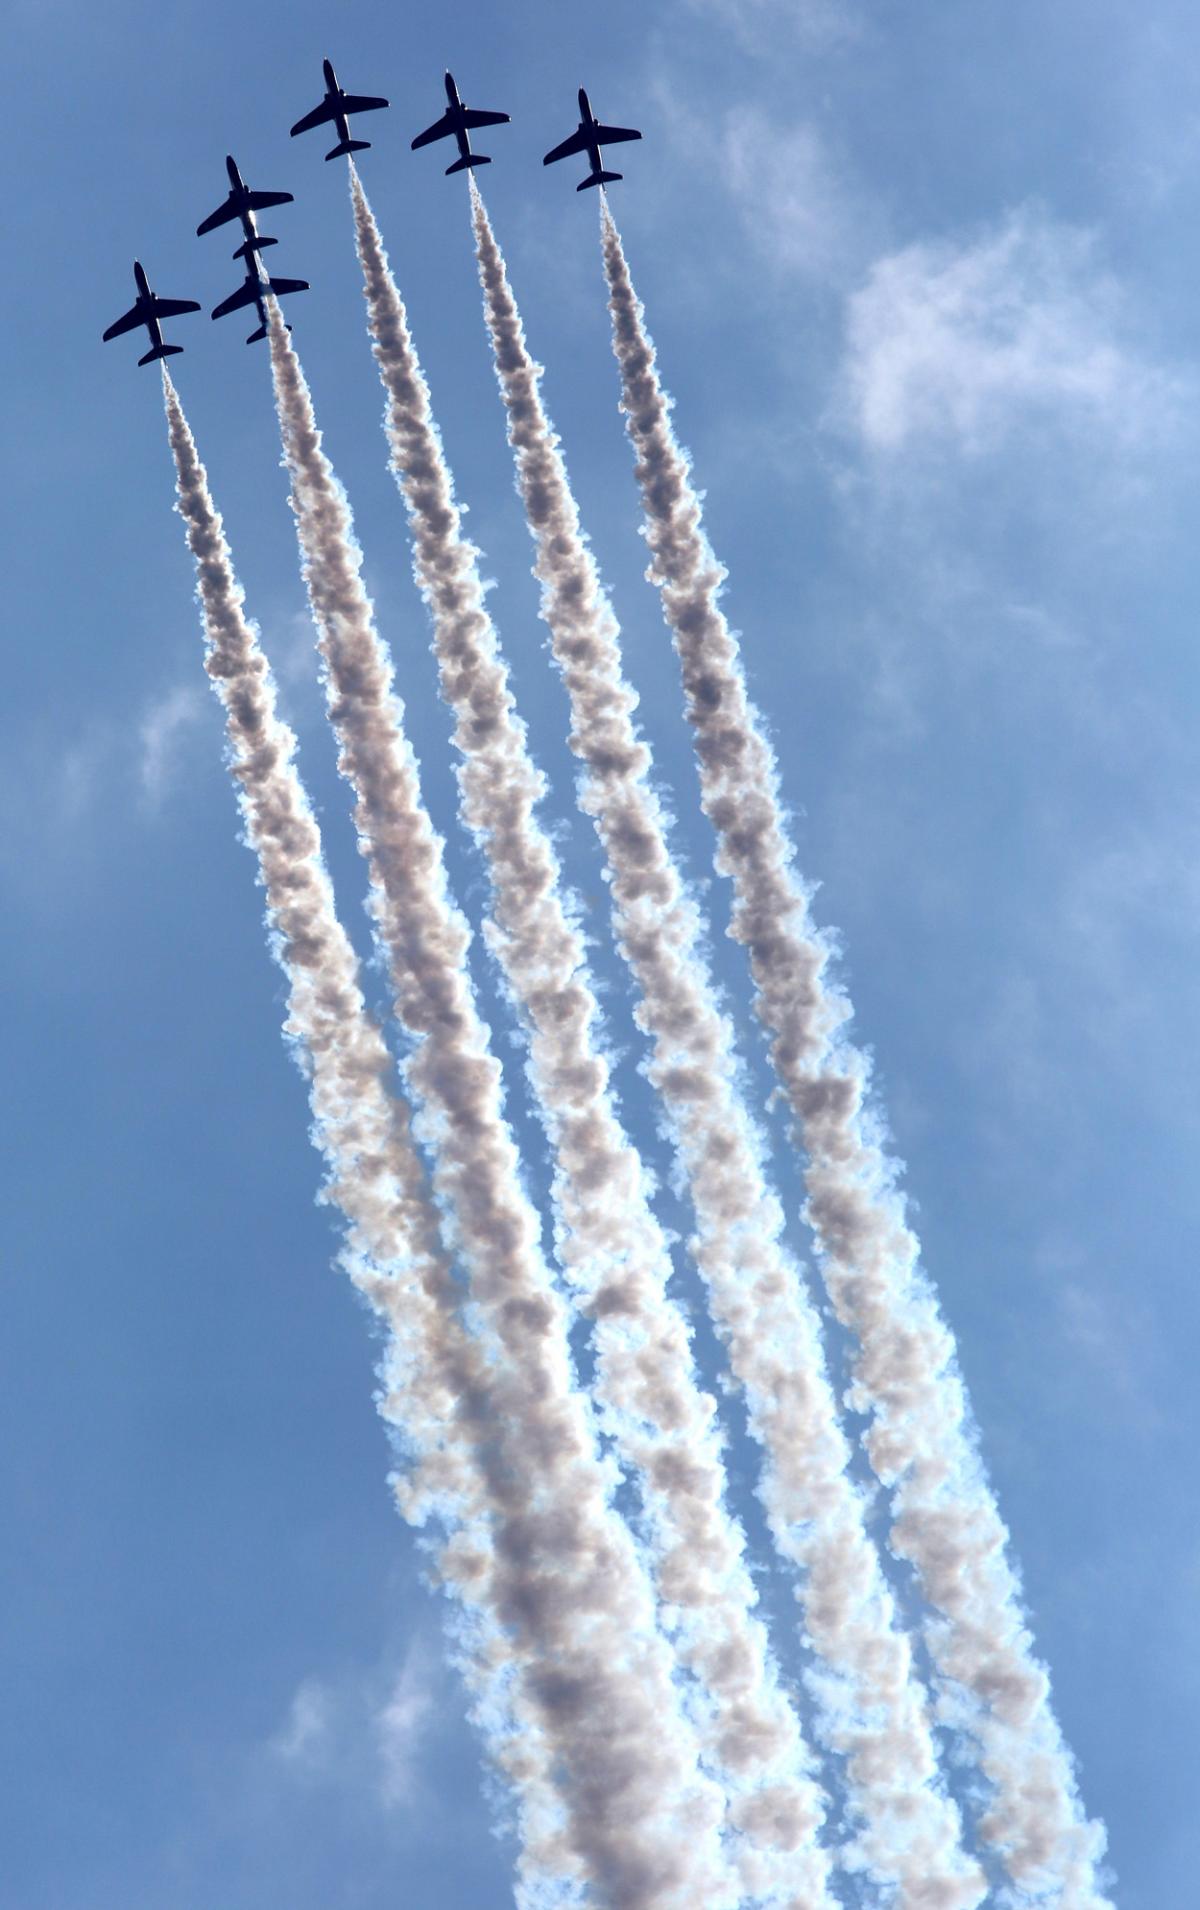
922,282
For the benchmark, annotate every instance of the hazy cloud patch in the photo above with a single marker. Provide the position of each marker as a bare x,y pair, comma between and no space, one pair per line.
402,1722
363,1729
802,213
964,342
304,1734
1118,1343
818,22
164,724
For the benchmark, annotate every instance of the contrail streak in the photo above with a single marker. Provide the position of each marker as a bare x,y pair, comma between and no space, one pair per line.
441,1394
642,1821
611,1246
874,1710
947,1524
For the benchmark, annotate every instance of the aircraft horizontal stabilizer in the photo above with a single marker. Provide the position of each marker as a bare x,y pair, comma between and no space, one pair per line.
598,179
159,351
253,245
348,146
464,165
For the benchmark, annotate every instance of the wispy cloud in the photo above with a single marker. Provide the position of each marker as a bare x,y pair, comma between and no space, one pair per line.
363,1728
304,1733
964,342
818,22
163,726
806,217
402,1723
1107,930
1117,1342
52,785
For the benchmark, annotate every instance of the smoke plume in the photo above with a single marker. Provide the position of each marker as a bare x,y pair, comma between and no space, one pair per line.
642,1822
946,1522
611,1247
440,1395
873,1708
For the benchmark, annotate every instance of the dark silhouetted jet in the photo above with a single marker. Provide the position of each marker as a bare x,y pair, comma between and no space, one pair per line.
338,106
148,310
254,290
460,121
243,204
588,138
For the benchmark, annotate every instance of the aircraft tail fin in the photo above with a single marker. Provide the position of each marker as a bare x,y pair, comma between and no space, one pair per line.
598,179
464,165
345,147
160,351
253,245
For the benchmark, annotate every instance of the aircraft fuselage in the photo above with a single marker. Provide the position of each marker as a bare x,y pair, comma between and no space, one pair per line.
335,94
587,126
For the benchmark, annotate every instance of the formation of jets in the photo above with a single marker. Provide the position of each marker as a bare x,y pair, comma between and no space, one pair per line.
241,203
338,107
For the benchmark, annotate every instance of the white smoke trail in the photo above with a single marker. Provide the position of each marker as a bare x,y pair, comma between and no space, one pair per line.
947,1523
611,1246
875,1712
440,1397
642,1821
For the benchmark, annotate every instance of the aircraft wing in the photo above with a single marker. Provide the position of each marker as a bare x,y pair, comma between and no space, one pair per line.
473,118
360,103
576,144
441,129
246,294
319,116
259,201
613,135
134,317
173,307
221,216
281,287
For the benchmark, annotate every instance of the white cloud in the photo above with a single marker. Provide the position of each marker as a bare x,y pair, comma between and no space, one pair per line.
800,210
305,1732
1131,918
1117,1341
819,22
962,343
164,723
52,784
364,1729
402,1723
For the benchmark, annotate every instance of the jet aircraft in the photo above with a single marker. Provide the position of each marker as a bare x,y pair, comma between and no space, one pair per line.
254,290
337,106
242,204
459,120
588,138
147,311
